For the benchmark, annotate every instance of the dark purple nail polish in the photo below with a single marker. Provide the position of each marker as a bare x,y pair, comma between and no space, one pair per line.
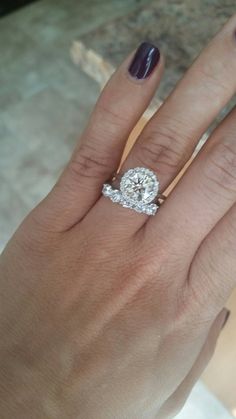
145,60
226,318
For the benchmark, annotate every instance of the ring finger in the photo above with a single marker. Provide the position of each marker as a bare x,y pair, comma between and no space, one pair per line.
168,140
201,199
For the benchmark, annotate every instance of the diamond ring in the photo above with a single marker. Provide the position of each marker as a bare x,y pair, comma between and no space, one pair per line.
138,189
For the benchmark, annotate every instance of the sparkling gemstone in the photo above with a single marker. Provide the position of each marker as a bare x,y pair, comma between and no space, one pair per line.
107,189
139,185
150,210
116,196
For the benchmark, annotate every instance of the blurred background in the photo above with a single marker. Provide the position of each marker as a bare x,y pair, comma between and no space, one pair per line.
55,57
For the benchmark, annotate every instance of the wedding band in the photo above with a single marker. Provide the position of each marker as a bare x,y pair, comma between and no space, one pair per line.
138,189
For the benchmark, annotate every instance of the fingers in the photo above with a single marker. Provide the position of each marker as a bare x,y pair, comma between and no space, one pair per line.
121,104
212,276
202,197
170,137
177,400
168,140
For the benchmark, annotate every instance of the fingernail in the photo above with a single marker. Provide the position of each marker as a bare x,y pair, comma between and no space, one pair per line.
226,318
145,60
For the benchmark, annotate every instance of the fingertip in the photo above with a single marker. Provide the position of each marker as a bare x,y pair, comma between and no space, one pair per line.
145,63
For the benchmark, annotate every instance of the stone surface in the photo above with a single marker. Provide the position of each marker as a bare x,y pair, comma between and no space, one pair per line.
180,29
48,22
139,185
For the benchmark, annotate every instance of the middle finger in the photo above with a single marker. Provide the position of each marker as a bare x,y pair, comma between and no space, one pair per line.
203,196
168,139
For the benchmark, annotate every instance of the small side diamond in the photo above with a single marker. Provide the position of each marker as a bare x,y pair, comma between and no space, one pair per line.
115,196
125,203
138,209
151,209
107,189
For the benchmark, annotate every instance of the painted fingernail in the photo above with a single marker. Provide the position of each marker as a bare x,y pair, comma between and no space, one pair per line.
145,60
226,318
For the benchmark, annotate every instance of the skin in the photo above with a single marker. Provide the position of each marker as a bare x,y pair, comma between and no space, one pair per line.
106,313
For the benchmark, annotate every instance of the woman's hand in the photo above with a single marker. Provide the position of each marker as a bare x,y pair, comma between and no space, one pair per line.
106,313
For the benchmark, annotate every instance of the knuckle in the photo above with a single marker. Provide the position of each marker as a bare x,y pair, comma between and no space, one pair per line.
34,239
162,147
89,163
109,117
213,81
220,170
205,271
112,114
150,265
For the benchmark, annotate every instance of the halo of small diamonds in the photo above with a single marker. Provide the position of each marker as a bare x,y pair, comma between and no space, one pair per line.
138,188
139,185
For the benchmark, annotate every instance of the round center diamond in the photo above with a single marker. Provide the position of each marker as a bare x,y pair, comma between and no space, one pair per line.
139,185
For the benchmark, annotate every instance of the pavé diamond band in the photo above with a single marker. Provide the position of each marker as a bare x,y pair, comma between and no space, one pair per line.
138,189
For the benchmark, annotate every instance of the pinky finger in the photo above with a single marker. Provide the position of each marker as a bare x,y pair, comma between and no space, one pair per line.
212,276
176,402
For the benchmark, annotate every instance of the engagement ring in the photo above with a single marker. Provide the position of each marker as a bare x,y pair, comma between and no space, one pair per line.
138,189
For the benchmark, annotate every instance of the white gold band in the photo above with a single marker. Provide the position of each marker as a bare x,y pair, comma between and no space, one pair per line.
116,196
